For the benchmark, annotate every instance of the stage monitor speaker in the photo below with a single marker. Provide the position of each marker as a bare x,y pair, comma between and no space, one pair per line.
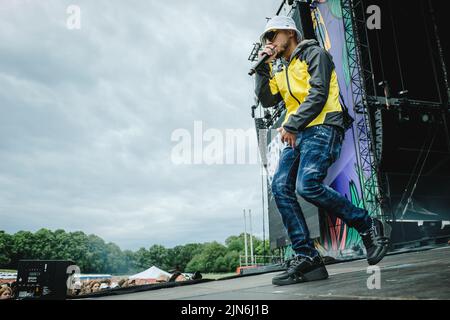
42,279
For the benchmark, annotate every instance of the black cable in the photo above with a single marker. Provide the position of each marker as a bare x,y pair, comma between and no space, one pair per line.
440,100
410,178
439,46
420,172
380,57
281,7
444,73
396,46
430,51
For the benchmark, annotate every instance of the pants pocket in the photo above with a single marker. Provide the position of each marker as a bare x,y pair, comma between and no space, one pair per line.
336,146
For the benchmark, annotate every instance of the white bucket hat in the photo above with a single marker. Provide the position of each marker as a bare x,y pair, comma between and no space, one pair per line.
281,23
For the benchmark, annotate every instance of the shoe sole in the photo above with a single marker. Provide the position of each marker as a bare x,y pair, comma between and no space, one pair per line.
387,233
314,275
380,257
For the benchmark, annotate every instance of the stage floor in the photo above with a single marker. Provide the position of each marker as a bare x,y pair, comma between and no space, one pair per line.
413,275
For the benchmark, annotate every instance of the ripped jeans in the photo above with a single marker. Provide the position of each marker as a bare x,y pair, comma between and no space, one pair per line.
302,169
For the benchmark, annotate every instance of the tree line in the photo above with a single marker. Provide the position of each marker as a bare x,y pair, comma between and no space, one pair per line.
93,255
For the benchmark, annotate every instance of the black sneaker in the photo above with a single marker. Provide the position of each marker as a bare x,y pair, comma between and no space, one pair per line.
287,263
285,266
302,269
376,241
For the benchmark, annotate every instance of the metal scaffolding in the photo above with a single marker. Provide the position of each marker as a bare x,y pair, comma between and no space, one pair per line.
362,88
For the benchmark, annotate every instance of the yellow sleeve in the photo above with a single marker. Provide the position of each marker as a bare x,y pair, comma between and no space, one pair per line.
273,82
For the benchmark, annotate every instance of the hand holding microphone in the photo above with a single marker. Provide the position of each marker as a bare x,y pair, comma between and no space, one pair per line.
268,54
269,50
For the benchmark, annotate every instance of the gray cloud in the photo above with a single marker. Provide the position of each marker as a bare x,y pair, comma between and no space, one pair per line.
87,117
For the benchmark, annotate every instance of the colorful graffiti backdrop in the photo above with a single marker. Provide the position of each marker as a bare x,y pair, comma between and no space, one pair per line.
337,239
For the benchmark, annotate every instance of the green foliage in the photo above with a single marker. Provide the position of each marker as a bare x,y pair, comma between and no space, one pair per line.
210,259
93,255
6,252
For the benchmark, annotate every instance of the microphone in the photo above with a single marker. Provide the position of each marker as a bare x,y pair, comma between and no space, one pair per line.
261,60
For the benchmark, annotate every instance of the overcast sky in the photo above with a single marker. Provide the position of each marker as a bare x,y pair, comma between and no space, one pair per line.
87,117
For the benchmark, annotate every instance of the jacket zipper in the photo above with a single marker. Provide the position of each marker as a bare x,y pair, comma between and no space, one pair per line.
289,86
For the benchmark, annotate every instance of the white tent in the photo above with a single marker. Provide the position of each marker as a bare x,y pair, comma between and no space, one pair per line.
151,273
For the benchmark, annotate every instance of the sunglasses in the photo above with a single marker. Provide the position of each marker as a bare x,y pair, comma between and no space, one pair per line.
270,35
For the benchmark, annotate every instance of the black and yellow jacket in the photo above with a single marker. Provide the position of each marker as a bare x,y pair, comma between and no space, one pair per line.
307,84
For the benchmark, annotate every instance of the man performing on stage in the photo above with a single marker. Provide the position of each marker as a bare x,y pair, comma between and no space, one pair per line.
313,130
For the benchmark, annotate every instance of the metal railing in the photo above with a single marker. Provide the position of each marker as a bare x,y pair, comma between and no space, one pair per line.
256,261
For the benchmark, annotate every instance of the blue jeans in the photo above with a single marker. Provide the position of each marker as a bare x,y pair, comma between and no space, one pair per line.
302,169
